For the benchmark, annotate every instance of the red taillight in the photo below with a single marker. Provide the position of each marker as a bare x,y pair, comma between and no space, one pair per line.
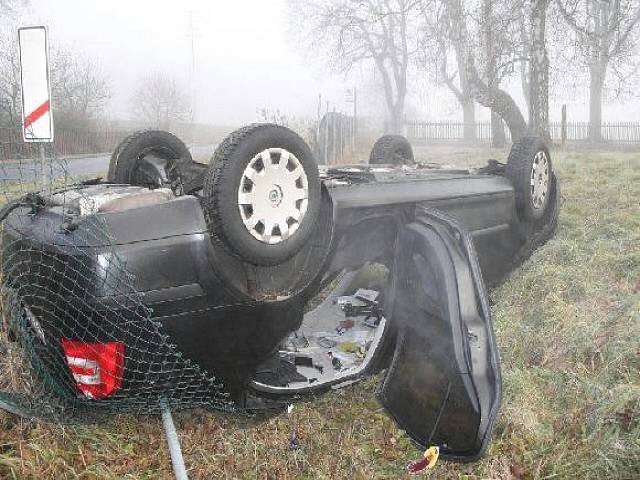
96,367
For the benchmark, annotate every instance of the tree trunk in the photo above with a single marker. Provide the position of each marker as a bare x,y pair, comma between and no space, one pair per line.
595,105
463,94
397,121
469,119
525,67
466,100
498,139
597,68
395,102
491,69
539,68
499,101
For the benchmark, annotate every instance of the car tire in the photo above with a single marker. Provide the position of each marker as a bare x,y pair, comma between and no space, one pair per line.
391,150
267,220
530,170
129,163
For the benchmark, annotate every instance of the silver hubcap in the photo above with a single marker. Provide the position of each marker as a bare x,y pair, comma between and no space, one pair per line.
273,195
539,180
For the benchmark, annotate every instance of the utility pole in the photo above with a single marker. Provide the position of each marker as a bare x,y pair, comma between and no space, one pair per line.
352,97
193,77
319,120
355,118
563,128
326,130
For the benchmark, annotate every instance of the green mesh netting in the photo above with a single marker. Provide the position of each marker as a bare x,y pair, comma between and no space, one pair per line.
52,296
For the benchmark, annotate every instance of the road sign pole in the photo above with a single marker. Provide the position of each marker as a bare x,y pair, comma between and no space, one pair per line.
43,168
37,118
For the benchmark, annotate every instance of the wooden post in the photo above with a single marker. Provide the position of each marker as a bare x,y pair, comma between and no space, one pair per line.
319,121
334,139
355,120
563,127
326,134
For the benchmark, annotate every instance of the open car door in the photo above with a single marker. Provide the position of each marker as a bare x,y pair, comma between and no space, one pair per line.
443,386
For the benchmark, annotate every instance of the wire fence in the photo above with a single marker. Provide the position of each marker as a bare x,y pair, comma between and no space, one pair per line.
621,133
78,341
333,138
67,142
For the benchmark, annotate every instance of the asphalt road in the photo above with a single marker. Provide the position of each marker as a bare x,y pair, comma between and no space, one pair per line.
30,170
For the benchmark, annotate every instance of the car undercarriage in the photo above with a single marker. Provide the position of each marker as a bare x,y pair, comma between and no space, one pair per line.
270,280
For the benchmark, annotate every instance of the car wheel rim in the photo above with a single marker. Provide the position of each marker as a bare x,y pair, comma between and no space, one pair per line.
273,195
539,180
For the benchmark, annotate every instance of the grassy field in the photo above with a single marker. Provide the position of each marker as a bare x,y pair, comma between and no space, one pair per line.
568,327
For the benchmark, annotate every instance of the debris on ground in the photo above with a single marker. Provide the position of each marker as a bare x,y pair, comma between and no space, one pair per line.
293,442
428,461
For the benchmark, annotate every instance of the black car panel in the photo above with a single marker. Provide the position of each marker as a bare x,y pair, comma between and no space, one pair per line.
443,386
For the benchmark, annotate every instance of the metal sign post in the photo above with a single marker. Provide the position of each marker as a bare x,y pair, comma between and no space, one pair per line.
352,97
177,460
37,120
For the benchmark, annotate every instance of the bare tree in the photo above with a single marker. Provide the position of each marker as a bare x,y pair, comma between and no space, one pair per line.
11,7
538,95
487,60
514,33
494,37
10,107
160,102
498,47
445,61
607,36
382,32
79,87
9,65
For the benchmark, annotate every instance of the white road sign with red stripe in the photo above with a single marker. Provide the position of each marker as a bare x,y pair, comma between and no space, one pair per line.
37,121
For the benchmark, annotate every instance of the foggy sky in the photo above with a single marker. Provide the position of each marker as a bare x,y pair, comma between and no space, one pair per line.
243,59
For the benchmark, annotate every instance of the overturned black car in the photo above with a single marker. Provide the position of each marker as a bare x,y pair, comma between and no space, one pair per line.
280,279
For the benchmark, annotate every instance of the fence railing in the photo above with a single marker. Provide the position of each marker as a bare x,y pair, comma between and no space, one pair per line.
67,142
79,142
622,133
448,131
